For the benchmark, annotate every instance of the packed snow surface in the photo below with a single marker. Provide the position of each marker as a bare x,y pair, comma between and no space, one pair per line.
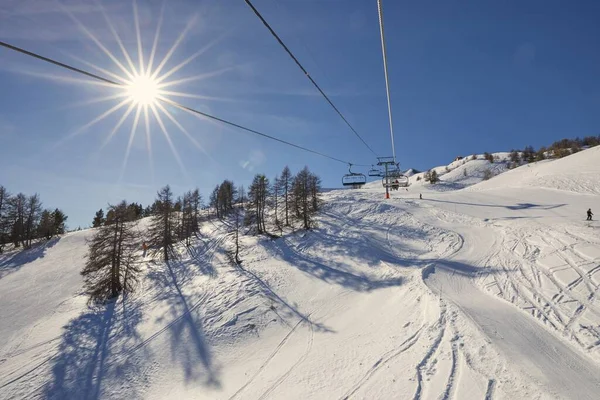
485,293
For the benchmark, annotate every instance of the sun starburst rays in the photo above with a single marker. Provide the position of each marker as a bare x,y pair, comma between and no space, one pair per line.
141,87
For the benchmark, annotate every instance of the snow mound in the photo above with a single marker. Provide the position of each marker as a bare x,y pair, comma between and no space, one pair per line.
578,173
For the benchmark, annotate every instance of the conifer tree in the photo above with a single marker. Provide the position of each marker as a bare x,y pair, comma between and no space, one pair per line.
276,193
4,221
301,190
33,214
315,192
187,217
515,157
528,154
46,226
59,219
540,155
306,197
241,197
16,216
213,200
257,200
286,181
163,229
110,267
196,205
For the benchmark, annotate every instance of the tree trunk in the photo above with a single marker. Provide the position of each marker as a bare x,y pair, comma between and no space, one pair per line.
113,270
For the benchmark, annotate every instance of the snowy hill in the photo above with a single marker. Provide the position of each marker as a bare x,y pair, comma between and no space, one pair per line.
463,173
490,292
577,173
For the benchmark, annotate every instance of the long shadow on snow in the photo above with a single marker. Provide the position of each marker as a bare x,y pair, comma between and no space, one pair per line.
459,268
364,248
285,311
92,357
198,254
515,207
289,310
368,245
188,342
12,262
331,274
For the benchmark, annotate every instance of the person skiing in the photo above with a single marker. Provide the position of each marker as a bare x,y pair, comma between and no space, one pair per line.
589,214
420,196
145,248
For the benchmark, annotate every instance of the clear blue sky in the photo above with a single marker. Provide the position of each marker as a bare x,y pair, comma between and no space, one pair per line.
466,77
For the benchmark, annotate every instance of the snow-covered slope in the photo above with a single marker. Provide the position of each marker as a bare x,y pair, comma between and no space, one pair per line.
463,173
484,294
577,173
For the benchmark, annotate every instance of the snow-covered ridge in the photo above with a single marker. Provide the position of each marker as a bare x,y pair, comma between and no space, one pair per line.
579,172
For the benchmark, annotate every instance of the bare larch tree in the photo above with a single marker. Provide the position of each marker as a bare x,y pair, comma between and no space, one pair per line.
111,266
162,233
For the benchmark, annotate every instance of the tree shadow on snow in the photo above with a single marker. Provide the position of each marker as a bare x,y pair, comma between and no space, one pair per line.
94,359
459,268
367,243
333,272
205,246
14,261
188,342
286,311
515,207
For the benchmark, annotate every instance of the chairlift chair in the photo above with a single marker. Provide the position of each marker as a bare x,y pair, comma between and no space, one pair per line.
375,172
395,181
353,179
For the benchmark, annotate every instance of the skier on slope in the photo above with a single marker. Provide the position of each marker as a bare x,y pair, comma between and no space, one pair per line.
589,214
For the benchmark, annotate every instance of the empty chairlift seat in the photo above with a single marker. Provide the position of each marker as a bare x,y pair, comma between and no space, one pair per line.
375,172
354,179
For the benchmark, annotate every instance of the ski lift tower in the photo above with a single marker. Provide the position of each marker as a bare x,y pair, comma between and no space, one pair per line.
388,163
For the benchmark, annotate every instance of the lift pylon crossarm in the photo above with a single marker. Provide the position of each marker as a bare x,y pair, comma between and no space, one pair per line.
386,160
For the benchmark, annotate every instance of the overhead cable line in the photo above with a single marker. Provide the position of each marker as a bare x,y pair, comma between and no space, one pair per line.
385,70
58,63
307,74
174,103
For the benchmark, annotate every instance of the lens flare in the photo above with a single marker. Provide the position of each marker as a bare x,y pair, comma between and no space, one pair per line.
143,90
141,86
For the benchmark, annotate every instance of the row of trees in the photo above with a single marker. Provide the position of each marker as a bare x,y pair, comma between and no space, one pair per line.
23,220
278,203
136,211
112,263
558,149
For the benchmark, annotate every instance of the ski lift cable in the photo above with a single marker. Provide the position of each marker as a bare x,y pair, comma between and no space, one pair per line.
385,71
173,103
58,63
266,24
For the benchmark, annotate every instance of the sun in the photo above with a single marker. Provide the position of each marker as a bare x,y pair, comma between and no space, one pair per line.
143,90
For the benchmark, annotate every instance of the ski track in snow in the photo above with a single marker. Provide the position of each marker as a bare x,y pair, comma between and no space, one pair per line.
383,361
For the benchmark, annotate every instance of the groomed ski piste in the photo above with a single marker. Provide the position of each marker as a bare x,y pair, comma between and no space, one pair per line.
487,292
